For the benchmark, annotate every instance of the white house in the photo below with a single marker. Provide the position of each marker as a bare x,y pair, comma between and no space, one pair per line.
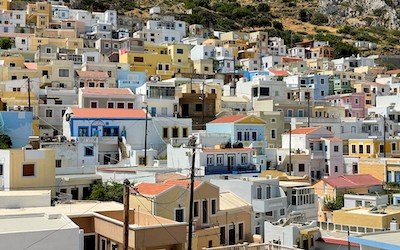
265,195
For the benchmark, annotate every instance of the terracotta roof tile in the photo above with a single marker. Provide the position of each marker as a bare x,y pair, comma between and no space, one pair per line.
30,65
347,181
337,242
279,72
394,71
108,113
228,118
107,91
299,131
152,188
92,74
183,183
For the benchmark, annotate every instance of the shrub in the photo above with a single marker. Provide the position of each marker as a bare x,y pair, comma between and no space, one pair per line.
318,19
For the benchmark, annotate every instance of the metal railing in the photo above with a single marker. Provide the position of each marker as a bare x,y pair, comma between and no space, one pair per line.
254,246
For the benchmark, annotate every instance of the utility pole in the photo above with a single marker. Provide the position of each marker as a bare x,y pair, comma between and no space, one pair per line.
202,113
29,94
191,144
290,149
348,239
145,136
384,136
308,108
126,214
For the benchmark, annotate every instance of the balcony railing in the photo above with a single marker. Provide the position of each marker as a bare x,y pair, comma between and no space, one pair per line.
254,246
265,205
237,169
165,72
104,139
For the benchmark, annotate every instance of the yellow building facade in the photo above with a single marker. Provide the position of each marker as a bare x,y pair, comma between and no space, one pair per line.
39,15
373,148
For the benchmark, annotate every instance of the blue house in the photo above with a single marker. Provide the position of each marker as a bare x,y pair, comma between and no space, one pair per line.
249,130
130,79
18,126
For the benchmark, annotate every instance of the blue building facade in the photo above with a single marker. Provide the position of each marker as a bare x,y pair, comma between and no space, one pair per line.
18,126
130,79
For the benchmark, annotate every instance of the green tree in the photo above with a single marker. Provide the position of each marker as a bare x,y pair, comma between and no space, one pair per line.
344,49
334,204
5,141
5,43
304,15
277,25
107,191
318,19
264,7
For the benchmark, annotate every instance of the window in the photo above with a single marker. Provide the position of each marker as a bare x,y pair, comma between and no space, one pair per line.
165,132
259,193
199,107
110,131
196,209
138,59
336,169
241,231
110,105
130,105
360,149
213,206
210,160
353,149
273,133
13,77
63,72
336,148
368,149
239,135
254,136
244,159
83,131
184,132
282,212
301,167
205,212
58,163
393,146
120,105
175,132
268,192
89,151
1,169
179,51
179,217
220,159
49,113
90,58
93,104
356,100
269,213
28,169
358,203
142,161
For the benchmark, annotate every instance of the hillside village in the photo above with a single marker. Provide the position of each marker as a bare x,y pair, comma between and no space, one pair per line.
122,133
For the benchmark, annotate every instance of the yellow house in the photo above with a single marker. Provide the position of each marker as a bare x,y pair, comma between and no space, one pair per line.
383,169
155,61
180,58
373,148
363,217
5,4
67,43
219,219
56,73
28,169
39,15
203,66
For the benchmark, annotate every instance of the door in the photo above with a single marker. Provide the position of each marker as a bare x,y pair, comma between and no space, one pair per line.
231,162
106,158
232,240
185,110
74,192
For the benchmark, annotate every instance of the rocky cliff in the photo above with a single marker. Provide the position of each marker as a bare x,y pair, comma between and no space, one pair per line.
361,12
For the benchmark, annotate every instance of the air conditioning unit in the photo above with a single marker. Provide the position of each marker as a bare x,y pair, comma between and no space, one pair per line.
16,108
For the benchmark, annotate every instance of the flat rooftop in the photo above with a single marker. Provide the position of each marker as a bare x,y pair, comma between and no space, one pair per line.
34,222
71,208
381,240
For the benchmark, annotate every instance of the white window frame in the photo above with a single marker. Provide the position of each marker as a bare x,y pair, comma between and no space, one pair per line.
216,207
97,104
184,213
210,160
113,103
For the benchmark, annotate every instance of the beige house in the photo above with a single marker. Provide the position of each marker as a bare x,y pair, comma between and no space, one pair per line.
121,98
27,169
219,219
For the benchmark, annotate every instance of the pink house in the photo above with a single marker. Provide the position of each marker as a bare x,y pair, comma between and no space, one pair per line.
354,103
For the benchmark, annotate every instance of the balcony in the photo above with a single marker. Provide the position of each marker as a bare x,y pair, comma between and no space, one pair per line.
238,169
317,154
164,72
101,140
271,204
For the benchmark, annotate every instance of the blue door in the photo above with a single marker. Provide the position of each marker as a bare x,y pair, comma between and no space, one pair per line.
397,176
153,111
